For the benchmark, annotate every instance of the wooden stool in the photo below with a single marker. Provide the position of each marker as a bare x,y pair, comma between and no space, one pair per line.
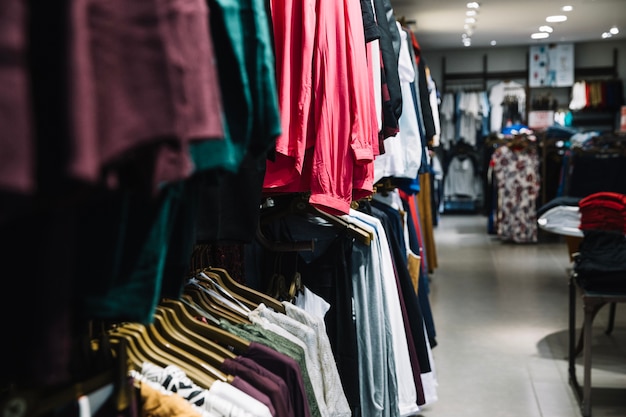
592,302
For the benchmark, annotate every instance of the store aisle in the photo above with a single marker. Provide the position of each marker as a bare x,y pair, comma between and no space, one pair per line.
501,315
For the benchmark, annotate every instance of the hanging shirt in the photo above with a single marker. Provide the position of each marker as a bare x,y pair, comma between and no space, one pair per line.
378,382
287,369
497,96
403,152
256,333
158,402
334,395
339,140
461,181
447,114
312,303
294,28
152,78
227,397
406,389
579,96
302,337
279,398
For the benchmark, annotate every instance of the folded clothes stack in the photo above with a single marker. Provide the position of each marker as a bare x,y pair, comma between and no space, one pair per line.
603,211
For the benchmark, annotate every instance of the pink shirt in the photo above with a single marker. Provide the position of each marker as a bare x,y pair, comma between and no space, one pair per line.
343,127
293,26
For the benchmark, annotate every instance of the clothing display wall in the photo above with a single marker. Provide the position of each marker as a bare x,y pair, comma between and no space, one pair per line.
142,141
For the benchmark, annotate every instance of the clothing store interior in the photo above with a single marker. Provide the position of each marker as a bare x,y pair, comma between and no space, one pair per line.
312,209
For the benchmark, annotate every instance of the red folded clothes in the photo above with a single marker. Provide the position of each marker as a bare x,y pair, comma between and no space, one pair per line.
603,211
595,198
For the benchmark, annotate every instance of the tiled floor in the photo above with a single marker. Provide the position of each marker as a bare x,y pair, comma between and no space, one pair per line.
501,316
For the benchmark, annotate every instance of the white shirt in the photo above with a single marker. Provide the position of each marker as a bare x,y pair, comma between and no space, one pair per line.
312,303
496,96
301,335
334,395
222,398
403,152
561,220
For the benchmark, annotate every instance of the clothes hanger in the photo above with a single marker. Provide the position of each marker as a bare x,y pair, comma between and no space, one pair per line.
181,355
135,358
296,287
172,334
277,286
300,205
222,295
134,345
164,354
187,311
141,349
257,297
193,335
201,300
283,246
201,297
220,283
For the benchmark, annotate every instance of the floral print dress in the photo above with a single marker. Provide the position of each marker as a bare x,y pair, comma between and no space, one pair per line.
516,171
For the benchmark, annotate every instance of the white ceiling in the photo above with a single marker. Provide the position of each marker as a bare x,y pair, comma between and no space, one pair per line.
438,24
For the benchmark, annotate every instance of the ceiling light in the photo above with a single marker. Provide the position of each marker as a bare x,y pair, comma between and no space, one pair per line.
606,35
556,18
473,5
470,20
614,30
547,29
567,8
539,35
493,43
471,13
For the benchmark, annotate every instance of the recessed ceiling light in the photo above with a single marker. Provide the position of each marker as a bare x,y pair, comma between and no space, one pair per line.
473,5
547,29
471,13
470,20
606,35
567,8
493,43
614,30
539,35
556,18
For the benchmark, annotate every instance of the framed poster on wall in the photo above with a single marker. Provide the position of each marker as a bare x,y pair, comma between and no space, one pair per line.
551,65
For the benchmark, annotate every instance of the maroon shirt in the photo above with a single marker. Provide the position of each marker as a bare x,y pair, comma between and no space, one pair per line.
281,403
286,368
